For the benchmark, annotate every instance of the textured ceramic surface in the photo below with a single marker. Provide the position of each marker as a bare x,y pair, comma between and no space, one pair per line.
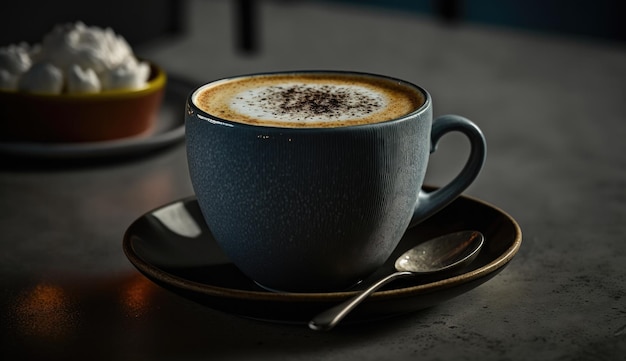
310,209
174,247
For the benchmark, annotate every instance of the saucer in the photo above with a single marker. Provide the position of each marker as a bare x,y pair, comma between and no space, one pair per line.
169,129
173,247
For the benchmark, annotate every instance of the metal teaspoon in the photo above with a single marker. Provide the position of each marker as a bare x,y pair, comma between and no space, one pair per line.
441,254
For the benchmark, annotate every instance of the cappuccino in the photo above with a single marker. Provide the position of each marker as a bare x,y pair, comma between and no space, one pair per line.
308,100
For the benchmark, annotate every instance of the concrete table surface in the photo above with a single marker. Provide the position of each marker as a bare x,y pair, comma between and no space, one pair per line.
553,110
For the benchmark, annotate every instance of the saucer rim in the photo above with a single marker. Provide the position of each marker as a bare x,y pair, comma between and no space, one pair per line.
168,279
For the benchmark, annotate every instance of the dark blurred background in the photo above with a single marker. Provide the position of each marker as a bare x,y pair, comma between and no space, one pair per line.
599,18
143,20
137,20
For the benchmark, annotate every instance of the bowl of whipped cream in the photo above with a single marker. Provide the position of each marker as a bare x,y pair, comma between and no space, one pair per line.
80,84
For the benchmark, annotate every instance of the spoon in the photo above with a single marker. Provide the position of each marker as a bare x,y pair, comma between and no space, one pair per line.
441,254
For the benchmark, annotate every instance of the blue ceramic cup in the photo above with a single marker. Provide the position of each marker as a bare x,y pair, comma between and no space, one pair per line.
317,208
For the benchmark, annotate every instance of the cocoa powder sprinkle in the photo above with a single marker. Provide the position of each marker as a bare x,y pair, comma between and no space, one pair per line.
306,102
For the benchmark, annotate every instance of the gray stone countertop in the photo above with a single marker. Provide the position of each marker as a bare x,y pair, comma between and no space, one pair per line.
553,110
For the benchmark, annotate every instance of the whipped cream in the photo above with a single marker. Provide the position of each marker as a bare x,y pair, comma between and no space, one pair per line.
81,80
42,78
131,74
89,58
8,80
14,60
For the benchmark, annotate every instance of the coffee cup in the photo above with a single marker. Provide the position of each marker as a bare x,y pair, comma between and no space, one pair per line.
308,180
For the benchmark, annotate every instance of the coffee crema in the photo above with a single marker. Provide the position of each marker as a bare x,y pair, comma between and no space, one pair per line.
308,100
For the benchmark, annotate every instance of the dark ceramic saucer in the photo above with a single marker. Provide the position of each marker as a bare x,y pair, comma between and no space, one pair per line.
173,247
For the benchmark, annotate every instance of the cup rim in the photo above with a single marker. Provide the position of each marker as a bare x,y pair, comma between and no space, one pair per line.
221,121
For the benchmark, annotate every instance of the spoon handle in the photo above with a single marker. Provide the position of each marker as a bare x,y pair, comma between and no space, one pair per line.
328,319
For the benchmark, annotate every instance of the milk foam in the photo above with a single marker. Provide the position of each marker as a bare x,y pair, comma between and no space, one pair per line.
308,103
308,100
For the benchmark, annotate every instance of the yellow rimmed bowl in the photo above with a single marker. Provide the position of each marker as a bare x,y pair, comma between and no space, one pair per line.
67,118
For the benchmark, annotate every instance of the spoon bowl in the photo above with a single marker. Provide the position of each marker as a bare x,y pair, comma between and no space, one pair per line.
442,254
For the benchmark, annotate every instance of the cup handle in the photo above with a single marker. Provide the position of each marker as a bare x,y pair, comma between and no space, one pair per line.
430,203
